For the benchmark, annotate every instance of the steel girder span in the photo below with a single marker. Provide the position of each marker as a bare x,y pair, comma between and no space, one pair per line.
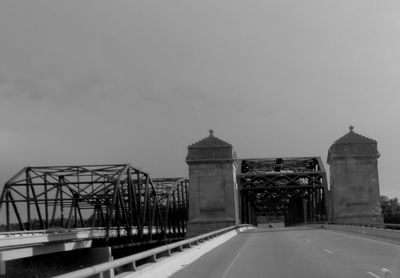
116,197
293,189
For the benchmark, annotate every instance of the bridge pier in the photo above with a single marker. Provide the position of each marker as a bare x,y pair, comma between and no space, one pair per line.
213,193
353,161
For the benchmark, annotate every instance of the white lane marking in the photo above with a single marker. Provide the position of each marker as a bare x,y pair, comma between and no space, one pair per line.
224,275
373,274
365,238
386,273
308,240
328,251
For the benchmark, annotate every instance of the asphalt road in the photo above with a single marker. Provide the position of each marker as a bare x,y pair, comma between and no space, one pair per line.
297,253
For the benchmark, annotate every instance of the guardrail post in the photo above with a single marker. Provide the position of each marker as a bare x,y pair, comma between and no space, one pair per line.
167,253
153,258
106,255
107,274
129,267
2,269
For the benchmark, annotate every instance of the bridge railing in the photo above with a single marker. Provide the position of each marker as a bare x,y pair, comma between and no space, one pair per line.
23,238
378,226
370,225
388,226
107,269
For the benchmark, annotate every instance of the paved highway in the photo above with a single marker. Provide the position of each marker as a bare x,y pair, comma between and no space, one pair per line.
297,253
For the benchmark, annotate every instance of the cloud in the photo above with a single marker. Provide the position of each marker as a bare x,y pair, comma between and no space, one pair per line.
175,93
7,90
7,87
54,89
29,87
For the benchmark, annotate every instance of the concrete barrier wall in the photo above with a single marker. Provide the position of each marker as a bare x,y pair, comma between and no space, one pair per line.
370,231
162,261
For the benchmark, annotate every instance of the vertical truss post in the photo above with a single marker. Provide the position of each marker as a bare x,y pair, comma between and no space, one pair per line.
68,224
136,205
46,203
80,215
321,204
16,211
174,215
180,216
28,200
7,208
130,199
146,196
62,201
76,212
153,216
113,207
312,205
124,214
55,203
167,216
35,199
324,208
139,211
245,207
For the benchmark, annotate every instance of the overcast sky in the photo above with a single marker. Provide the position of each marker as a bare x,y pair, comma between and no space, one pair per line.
96,82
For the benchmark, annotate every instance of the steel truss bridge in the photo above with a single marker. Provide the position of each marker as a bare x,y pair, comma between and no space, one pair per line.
291,188
114,202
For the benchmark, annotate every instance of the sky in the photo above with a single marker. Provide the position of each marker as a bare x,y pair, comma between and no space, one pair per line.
101,82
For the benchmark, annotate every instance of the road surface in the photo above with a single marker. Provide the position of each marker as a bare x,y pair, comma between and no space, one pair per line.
297,253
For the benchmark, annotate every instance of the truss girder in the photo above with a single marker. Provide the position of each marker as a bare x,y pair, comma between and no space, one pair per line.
281,172
277,185
172,194
113,196
281,180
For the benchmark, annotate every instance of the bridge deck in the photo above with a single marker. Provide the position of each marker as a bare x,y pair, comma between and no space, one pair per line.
297,252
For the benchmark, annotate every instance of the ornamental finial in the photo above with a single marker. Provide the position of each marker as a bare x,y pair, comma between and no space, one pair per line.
211,132
351,128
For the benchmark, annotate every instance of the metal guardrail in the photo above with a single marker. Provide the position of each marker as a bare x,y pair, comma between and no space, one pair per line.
387,226
151,255
369,225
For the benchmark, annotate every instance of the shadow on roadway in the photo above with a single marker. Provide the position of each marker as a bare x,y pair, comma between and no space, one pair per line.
280,229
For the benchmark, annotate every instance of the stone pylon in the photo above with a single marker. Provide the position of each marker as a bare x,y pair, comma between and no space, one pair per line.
354,182
213,194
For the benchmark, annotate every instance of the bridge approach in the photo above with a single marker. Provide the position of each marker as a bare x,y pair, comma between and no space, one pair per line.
105,209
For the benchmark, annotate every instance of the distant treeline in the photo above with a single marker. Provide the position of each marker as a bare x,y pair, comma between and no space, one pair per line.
390,210
35,225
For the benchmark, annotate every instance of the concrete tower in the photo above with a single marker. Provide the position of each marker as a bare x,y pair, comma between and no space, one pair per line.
354,183
213,195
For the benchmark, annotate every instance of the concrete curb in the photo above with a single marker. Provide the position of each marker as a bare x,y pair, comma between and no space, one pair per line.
376,232
169,265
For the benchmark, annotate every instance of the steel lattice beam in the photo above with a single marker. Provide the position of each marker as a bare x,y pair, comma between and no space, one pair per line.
277,184
113,196
281,172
